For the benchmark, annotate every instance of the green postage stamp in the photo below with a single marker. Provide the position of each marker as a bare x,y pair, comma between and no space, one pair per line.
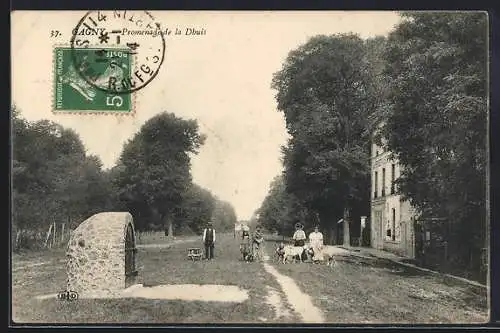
73,93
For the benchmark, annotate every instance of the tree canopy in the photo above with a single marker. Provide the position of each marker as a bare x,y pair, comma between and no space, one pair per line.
53,177
421,92
55,180
436,63
154,176
327,93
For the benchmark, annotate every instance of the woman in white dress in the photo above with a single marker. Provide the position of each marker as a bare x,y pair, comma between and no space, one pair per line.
316,242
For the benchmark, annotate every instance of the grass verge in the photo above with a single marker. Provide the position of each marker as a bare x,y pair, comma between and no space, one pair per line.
159,266
374,291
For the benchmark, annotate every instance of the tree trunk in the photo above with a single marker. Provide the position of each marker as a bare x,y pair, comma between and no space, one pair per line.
322,219
347,235
167,223
62,233
54,238
170,229
48,235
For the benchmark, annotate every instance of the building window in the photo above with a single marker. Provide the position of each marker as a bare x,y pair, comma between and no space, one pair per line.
375,190
393,176
393,224
383,182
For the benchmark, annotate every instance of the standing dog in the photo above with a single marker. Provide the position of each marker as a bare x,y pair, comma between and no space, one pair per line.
246,252
309,253
293,253
328,254
280,252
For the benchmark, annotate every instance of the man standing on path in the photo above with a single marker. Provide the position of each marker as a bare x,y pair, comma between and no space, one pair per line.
209,241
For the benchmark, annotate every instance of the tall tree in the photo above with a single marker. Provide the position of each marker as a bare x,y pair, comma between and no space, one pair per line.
325,91
155,166
224,215
281,210
196,209
437,63
53,178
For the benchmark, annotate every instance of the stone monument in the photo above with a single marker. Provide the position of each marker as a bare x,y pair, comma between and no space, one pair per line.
101,254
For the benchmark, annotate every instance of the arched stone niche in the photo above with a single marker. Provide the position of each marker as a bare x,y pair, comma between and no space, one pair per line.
101,254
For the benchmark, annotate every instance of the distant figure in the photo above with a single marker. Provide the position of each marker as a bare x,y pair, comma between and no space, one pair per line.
257,240
316,242
299,237
245,231
209,241
245,246
245,234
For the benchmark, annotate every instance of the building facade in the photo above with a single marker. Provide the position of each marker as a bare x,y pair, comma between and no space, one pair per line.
392,227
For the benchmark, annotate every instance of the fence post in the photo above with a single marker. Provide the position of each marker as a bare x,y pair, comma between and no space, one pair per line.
48,235
446,255
62,233
18,235
54,238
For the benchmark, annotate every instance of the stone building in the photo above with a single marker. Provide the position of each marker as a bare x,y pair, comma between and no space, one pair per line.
392,218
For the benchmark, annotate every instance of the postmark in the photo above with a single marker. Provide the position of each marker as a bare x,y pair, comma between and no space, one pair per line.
132,34
72,93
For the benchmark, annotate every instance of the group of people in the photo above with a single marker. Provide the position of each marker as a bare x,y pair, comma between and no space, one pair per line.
315,241
251,245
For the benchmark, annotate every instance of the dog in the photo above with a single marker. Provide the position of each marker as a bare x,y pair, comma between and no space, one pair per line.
328,254
249,257
247,254
280,252
309,253
295,253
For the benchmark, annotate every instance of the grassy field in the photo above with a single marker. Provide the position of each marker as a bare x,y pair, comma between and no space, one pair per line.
156,266
377,291
158,237
355,291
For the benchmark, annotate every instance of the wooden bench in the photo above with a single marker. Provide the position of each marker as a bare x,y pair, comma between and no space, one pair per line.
195,253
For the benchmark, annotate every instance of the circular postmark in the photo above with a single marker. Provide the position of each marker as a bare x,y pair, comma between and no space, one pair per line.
117,52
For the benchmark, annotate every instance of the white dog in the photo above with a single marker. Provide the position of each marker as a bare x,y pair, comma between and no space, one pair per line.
291,252
328,253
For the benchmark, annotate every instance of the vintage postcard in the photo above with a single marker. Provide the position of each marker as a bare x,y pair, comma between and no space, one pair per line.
325,167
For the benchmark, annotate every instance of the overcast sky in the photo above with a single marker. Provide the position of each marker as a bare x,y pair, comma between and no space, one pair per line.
222,79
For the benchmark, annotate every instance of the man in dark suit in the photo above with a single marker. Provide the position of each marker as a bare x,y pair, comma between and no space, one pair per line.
209,241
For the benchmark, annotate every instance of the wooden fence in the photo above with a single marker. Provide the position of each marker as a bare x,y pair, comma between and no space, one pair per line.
56,235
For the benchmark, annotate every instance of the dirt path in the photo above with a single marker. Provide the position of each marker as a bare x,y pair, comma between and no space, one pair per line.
300,302
278,304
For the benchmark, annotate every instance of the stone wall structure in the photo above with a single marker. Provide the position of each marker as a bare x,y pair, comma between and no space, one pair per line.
97,255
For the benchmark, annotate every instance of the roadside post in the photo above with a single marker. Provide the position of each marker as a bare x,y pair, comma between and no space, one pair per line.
363,225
